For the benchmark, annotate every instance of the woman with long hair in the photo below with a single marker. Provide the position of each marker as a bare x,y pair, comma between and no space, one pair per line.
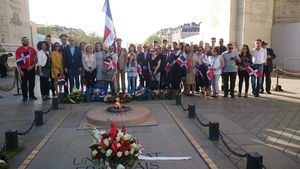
246,60
44,68
190,75
57,68
100,56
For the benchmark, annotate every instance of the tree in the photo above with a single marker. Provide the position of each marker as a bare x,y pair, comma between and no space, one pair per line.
152,38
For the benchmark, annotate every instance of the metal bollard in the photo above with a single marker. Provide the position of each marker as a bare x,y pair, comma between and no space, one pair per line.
55,103
11,140
38,117
213,131
178,99
88,96
61,97
192,113
254,160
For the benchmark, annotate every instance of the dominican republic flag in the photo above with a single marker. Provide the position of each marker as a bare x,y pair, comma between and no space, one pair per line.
22,59
110,65
253,72
210,73
139,69
183,62
197,70
109,30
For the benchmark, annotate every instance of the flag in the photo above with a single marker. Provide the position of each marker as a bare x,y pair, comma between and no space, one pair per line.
183,62
197,70
22,59
109,30
210,73
110,65
253,72
139,69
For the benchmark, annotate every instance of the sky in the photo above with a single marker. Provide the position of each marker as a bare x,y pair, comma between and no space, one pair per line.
134,20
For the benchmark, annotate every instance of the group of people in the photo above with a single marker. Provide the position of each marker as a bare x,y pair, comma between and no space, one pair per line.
173,66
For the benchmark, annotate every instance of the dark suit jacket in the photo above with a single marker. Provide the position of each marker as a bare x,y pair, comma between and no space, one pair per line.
141,59
72,62
271,53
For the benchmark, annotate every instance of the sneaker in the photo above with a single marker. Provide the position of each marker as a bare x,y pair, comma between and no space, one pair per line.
239,95
32,98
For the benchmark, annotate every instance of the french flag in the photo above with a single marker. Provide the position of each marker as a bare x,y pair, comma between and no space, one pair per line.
109,30
183,62
253,72
22,59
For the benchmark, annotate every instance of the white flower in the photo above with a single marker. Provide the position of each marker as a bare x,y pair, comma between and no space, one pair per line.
94,152
132,151
108,152
126,153
127,137
118,139
120,166
106,142
133,145
118,145
120,134
119,154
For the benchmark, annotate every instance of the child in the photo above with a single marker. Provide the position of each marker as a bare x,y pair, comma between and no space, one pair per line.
131,69
109,73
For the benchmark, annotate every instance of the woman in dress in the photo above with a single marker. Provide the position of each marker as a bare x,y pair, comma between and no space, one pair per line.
100,55
246,60
154,69
190,75
177,73
202,65
57,69
89,66
44,68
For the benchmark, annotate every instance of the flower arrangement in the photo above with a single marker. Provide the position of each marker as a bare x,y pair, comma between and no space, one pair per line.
116,149
75,97
124,98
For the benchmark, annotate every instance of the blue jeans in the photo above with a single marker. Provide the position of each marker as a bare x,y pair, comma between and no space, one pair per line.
257,81
74,75
131,83
215,85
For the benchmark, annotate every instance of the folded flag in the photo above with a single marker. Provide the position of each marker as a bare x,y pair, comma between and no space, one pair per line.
183,62
253,72
139,69
197,71
22,59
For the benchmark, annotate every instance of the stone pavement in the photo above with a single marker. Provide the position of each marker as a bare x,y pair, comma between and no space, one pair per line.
268,125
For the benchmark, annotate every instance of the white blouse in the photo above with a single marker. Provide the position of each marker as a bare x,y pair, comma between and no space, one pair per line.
89,61
42,58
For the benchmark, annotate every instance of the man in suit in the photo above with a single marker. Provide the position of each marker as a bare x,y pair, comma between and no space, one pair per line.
268,68
63,39
72,63
122,56
48,40
143,60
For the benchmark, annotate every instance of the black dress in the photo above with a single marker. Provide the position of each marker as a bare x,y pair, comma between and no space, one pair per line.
176,73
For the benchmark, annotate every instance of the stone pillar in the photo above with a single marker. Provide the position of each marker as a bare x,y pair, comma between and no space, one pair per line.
15,23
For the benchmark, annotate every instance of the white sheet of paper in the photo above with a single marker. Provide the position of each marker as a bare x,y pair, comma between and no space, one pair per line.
163,158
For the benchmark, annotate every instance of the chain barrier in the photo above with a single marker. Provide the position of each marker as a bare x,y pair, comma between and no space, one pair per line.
202,124
184,109
28,130
12,86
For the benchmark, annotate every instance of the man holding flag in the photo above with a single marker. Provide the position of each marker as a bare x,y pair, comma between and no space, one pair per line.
26,60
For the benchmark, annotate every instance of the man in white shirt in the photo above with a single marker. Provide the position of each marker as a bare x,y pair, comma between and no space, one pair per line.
259,55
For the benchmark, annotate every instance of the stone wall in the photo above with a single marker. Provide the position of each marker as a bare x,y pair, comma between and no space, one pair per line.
286,11
14,22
